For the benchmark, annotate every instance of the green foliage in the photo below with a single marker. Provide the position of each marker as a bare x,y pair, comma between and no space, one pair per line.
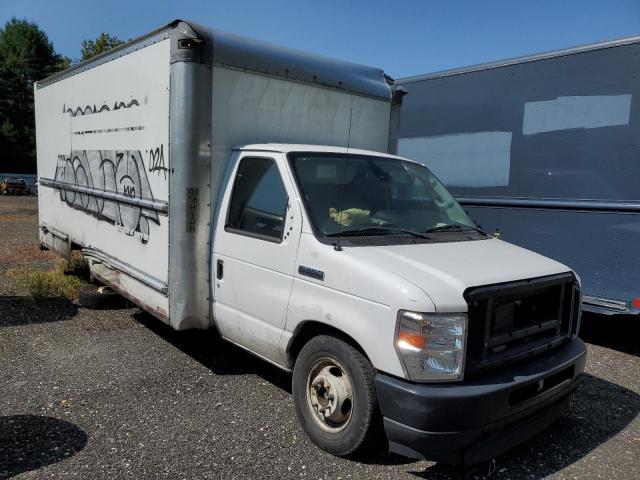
104,42
77,265
40,284
26,56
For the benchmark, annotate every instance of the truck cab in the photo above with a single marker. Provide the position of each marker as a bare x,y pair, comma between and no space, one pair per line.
362,274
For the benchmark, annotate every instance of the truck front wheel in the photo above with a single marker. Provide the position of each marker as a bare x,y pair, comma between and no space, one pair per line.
335,397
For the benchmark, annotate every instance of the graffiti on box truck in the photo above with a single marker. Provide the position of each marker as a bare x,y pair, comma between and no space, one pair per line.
88,109
120,172
156,161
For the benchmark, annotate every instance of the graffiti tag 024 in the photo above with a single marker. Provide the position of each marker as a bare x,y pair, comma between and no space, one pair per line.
156,161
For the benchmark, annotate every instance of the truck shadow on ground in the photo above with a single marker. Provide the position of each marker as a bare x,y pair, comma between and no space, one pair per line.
16,310
219,356
598,411
619,332
29,442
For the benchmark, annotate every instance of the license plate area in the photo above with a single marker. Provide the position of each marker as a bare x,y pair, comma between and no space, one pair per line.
527,392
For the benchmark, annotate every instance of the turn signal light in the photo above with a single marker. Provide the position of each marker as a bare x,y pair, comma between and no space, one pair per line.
414,340
636,302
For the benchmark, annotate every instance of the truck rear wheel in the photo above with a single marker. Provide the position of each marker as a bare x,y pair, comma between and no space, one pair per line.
335,397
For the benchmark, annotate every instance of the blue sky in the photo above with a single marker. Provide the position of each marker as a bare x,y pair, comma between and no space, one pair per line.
403,37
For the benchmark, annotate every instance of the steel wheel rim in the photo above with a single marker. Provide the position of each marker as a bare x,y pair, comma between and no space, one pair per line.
329,395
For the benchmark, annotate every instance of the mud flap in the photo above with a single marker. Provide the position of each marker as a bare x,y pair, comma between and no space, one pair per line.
55,240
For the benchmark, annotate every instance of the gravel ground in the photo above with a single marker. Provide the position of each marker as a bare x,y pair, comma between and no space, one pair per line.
116,394
18,239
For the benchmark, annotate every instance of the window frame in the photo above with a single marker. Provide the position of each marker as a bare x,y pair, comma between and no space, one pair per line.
246,233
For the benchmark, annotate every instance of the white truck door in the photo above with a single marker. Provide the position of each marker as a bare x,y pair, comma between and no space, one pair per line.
255,251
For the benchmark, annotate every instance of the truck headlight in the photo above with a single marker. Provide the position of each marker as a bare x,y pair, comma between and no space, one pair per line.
431,345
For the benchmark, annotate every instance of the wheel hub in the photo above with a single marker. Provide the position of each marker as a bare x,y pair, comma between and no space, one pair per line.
330,395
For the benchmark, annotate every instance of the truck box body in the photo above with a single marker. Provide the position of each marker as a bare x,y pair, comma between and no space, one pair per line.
134,144
545,149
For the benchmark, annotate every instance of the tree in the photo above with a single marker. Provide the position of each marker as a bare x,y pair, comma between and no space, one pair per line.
104,42
26,56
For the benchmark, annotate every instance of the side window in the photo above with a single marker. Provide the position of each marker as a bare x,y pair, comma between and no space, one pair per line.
258,200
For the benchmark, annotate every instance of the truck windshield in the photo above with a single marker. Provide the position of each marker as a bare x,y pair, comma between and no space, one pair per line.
349,195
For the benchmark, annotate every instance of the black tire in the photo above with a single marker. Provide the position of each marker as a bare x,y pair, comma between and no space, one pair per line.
98,298
363,429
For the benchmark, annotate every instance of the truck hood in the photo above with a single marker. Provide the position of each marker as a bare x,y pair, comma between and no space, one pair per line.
445,270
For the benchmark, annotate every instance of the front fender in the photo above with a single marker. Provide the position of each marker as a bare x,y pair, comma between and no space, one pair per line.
369,323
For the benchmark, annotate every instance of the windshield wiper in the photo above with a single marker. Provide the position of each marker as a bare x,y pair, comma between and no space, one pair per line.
455,226
377,231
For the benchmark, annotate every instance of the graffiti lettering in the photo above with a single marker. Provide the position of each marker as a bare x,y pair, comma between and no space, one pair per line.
156,161
129,191
119,172
88,109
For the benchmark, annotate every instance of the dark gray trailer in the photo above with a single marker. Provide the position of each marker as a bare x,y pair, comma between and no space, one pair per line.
545,148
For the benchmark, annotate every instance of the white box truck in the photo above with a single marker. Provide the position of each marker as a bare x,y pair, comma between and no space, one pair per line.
222,183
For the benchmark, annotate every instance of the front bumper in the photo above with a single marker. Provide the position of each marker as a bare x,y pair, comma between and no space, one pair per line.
482,417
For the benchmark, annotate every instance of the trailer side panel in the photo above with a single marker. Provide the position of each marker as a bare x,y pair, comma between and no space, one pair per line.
546,150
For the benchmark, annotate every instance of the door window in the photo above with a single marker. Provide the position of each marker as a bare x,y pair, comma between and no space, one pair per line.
258,200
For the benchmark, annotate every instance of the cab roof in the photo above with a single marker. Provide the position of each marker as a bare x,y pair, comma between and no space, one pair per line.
302,147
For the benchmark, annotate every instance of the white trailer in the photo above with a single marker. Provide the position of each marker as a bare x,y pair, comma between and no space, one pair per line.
193,170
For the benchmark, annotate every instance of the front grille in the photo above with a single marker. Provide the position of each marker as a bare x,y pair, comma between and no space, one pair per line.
512,321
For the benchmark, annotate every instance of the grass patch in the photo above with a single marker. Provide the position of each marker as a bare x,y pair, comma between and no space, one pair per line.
47,283
76,265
